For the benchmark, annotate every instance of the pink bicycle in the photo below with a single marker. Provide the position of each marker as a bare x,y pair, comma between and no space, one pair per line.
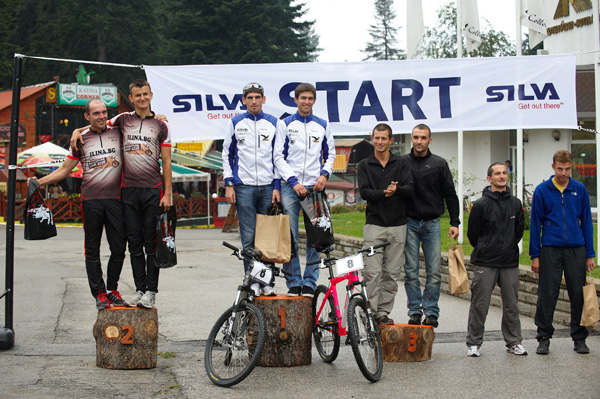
362,331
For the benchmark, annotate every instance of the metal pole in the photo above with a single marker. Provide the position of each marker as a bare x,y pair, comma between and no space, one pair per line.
460,133
597,88
519,167
7,334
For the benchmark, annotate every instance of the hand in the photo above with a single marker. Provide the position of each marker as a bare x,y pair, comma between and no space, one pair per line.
161,117
535,265
75,137
320,184
391,189
230,195
276,196
300,190
590,264
165,202
33,178
453,232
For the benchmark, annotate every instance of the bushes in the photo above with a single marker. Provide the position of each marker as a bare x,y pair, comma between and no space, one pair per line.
348,208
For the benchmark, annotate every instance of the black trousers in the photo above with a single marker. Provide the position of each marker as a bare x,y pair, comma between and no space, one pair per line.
107,214
140,206
553,261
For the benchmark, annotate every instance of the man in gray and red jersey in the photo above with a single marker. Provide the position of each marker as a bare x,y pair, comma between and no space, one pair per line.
100,157
146,140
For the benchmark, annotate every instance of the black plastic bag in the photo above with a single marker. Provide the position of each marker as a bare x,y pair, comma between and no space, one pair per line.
317,220
166,222
39,220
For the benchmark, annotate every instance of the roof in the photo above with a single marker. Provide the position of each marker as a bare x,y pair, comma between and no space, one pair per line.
347,142
184,174
20,175
210,160
6,96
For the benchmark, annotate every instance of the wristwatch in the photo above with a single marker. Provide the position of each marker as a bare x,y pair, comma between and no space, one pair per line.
229,183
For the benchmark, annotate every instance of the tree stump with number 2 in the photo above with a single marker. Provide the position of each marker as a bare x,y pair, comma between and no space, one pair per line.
406,342
289,330
126,338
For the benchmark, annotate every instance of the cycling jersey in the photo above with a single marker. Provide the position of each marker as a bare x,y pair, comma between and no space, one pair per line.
248,150
142,142
304,149
100,157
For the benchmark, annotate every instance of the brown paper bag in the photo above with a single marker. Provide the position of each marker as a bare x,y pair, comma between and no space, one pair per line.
457,274
272,237
591,313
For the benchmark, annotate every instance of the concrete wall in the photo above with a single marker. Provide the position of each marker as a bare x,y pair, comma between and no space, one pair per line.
345,245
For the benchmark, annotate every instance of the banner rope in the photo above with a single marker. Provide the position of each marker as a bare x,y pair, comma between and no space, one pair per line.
79,61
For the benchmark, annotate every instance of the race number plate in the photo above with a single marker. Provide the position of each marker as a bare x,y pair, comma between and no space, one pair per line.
261,273
349,264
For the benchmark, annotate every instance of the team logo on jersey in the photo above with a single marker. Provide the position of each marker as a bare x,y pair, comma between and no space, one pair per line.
315,139
104,162
241,141
265,137
113,139
137,149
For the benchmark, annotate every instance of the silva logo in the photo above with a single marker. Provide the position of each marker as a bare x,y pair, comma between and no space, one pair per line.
264,137
315,139
524,93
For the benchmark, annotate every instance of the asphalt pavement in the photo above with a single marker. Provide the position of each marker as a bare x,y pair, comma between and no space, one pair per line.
54,352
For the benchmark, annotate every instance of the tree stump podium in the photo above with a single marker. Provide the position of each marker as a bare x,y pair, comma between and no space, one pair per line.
289,330
126,338
406,342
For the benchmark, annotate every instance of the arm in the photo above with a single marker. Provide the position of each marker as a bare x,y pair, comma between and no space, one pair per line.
475,227
587,225
165,155
76,136
449,194
519,223
535,223
228,154
366,191
59,174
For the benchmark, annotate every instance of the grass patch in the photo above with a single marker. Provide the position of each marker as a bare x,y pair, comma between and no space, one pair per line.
352,223
166,355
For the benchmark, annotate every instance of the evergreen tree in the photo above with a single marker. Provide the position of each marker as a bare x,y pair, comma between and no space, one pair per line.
440,42
384,34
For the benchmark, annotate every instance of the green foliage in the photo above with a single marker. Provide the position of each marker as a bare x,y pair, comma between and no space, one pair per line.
348,208
383,34
440,42
150,32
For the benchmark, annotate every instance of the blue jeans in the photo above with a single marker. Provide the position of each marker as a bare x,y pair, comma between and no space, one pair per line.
291,204
250,201
427,233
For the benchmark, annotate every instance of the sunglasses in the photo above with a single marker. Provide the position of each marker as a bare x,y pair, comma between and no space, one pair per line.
251,86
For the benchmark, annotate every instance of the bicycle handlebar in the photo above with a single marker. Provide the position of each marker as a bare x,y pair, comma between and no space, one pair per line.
228,245
248,253
369,249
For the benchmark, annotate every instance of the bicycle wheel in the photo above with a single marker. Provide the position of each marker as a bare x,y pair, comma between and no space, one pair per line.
365,342
325,331
235,345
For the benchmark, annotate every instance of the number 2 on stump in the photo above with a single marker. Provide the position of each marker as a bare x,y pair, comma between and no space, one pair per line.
126,340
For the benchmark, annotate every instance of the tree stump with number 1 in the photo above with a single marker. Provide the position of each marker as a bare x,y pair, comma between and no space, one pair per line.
126,338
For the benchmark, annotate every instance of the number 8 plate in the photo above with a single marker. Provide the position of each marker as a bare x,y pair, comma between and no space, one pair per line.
349,264
261,273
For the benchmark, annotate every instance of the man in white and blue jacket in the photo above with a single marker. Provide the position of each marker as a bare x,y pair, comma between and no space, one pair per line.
251,181
304,155
561,240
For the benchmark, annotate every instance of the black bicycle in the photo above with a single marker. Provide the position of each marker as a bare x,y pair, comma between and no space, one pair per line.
237,339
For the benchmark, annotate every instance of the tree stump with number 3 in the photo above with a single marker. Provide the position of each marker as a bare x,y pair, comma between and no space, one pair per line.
126,338
289,330
406,342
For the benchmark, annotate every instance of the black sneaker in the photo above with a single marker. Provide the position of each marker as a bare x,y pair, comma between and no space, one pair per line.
543,346
115,298
294,291
580,346
384,320
415,319
431,320
307,291
102,301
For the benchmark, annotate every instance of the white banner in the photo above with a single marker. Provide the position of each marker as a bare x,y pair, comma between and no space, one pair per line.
470,23
533,13
448,95
415,29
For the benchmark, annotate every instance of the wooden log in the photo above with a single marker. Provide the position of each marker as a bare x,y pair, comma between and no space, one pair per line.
406,342
289,330
126,338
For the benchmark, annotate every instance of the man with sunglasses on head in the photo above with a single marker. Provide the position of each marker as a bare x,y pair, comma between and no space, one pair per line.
251,181
304,155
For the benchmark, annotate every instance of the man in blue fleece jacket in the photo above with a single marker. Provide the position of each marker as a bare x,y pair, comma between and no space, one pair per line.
561,210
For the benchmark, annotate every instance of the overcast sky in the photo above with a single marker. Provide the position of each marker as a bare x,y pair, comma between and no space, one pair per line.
343,24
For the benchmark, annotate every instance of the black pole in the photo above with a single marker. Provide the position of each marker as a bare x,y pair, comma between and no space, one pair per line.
7,334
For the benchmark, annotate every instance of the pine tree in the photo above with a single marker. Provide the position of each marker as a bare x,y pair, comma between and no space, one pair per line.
384,34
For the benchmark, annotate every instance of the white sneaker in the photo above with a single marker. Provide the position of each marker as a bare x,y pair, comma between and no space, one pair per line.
516,349
473,351
147,300
255,287
269,291
135,299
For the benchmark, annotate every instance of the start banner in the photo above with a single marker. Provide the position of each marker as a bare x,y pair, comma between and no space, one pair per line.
446,94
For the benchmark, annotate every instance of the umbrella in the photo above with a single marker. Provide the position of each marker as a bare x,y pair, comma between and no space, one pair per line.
46,158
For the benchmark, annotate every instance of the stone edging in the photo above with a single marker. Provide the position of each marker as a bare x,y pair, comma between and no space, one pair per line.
528,285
